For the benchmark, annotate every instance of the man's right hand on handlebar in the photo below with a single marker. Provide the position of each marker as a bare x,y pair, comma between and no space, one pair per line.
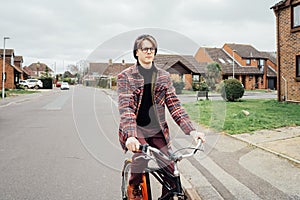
198,135
132,144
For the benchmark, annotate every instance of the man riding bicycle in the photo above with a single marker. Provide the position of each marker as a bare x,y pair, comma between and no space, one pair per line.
144,90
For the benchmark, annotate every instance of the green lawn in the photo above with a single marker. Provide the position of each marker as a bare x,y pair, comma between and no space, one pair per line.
228,116
20,91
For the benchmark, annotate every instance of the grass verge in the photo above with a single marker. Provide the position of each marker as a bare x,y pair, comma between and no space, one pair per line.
13,92
264,114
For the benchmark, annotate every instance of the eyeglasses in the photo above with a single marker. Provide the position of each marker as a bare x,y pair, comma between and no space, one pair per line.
146,50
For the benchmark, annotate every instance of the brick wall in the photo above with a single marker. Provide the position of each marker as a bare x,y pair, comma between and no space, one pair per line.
9,83
288,48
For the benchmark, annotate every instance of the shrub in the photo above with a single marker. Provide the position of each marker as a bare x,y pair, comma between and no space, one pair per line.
103,83
203,86
178,85
232,90
5,94
21,87
200,86
47,82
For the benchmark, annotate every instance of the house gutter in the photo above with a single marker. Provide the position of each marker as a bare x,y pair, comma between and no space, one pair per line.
276,11
285,89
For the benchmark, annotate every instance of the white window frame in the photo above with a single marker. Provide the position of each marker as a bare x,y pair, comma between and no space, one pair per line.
296,16
248,61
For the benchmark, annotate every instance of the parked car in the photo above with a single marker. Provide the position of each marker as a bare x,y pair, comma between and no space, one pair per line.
58,84
64,86
23,83
32,83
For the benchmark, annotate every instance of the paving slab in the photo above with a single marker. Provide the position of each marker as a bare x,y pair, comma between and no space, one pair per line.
282,141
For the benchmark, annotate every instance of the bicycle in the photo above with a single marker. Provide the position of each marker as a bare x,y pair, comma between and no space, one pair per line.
159,173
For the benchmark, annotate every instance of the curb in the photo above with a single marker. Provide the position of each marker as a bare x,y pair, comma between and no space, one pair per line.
189,191
295,161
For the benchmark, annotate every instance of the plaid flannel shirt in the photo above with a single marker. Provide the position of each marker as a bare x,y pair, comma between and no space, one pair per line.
130,85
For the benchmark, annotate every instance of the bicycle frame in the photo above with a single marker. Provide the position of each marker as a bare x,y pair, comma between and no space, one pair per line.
161,174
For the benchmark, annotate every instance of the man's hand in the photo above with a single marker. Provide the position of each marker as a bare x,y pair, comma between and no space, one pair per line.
132,144
198,135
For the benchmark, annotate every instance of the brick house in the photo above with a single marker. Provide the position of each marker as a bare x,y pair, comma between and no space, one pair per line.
287,14
107,69
183,67
97,70
255,69
12,70
27,73
18,62
38,69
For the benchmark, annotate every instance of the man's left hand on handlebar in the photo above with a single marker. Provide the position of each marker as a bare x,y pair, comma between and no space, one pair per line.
198,135
132,144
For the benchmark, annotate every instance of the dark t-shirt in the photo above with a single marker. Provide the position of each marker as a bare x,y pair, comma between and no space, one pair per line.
146,118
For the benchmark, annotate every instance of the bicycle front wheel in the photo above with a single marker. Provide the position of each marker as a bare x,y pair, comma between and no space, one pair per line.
125,182
125,178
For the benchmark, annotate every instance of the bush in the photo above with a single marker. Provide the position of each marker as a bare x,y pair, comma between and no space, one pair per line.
200,86
21,87
103,83
178,85
47,82
232,90
1,94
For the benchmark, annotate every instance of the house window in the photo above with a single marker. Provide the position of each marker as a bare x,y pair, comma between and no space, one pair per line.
248,61
296,16
261,62
221,60
196,78
12,62
298,66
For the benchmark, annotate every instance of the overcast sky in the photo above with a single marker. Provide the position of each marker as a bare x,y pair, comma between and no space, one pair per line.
65,31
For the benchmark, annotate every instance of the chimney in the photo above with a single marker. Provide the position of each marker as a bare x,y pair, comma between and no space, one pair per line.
110,61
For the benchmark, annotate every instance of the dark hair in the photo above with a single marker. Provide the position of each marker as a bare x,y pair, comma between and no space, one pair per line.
140,39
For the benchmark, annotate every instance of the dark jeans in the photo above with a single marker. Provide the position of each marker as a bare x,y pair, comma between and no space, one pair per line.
138,165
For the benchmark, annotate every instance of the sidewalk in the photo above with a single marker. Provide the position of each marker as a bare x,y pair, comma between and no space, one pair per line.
21,98
284,142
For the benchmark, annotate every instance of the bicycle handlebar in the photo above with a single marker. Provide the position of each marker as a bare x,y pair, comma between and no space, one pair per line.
146,149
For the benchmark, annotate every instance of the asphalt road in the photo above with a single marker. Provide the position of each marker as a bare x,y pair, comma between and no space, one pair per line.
60,145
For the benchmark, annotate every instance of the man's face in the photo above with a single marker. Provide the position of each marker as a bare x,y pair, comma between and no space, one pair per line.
146,53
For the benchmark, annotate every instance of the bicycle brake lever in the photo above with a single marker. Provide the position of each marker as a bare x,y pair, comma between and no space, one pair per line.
143,148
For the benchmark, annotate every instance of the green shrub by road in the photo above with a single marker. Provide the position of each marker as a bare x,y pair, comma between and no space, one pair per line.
229,116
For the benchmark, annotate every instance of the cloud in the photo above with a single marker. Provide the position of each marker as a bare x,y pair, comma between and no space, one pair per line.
68,31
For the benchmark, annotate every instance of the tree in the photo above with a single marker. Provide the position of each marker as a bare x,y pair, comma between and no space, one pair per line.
213,75
73,69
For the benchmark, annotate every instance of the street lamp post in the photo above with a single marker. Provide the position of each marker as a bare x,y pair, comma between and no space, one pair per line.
3,68
233,62
37,68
